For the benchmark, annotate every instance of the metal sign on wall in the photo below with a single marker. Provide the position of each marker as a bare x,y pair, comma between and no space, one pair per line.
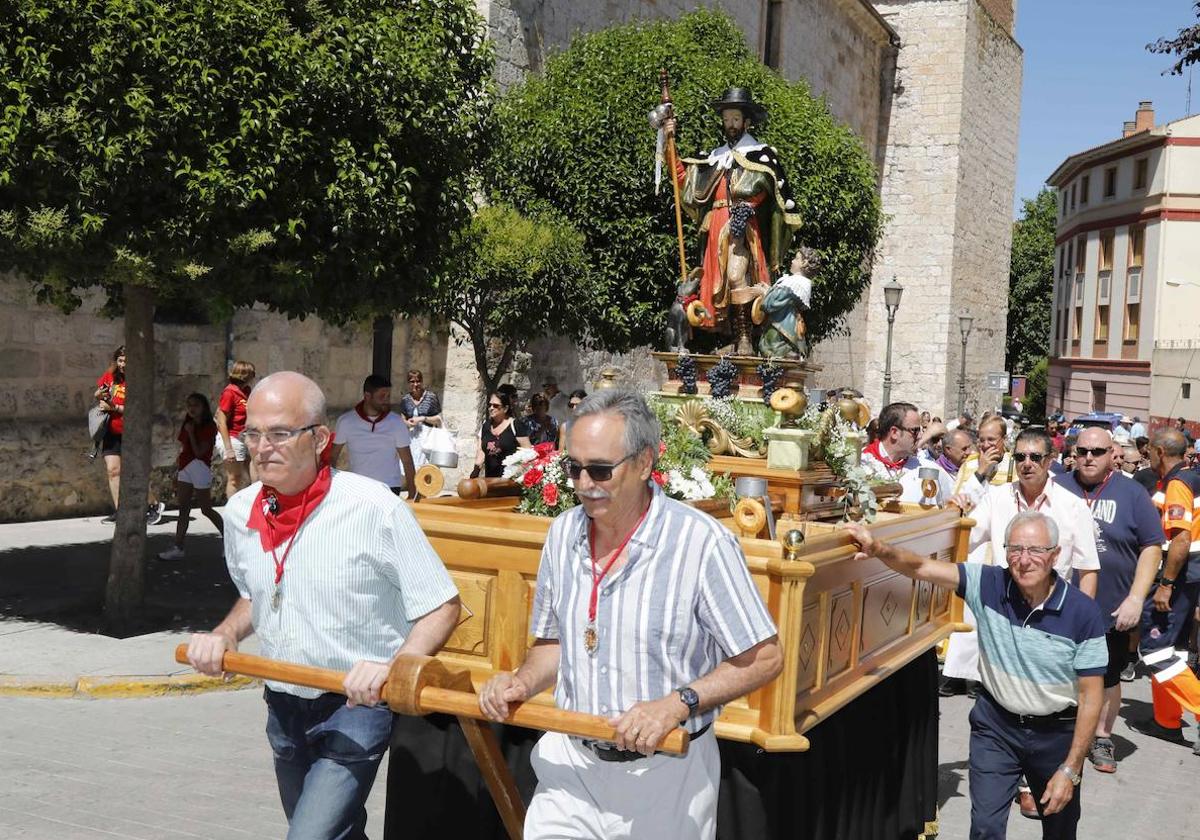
997,381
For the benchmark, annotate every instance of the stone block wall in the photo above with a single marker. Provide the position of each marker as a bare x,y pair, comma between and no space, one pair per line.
49,363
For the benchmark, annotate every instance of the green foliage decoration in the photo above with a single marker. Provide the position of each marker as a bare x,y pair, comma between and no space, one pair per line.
575,138
309,155
1031,282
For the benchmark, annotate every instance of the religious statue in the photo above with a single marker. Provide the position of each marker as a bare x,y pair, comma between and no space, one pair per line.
782,308
739,196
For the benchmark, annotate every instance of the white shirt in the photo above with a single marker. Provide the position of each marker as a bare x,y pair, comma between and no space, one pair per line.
359,575
908,477
1076,527
1137,430
373,446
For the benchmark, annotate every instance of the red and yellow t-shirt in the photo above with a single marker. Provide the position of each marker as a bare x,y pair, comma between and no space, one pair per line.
233,404
116,390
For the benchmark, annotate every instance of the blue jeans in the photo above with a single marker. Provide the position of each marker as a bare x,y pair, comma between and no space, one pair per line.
326,758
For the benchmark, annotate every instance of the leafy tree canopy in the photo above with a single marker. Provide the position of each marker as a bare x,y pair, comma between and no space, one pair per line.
512,278
1185,45
576,139
1031,282
304,154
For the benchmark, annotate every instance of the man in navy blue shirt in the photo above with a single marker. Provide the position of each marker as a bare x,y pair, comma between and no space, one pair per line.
1129,538
1042,660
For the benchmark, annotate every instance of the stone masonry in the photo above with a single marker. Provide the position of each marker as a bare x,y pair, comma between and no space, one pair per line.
49,363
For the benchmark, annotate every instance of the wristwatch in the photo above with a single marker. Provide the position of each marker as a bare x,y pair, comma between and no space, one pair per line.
689,698
1071,774
1163,580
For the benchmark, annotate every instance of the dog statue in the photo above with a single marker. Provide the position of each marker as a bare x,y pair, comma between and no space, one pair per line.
679,326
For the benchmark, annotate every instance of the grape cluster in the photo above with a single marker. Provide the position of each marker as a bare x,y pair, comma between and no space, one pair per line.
769,374
739,218
685,369
722,377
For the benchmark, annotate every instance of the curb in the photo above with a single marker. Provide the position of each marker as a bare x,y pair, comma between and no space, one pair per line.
119,686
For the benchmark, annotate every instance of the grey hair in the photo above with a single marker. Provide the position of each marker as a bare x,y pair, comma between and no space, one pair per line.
1026,516
312,399
642,429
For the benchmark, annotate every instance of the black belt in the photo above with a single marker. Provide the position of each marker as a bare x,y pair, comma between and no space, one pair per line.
611,753
1067,715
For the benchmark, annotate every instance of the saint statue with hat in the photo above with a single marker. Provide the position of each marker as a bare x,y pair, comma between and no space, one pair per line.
739,196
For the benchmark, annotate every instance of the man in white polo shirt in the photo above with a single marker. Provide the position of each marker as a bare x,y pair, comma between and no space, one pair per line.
333,571
378,440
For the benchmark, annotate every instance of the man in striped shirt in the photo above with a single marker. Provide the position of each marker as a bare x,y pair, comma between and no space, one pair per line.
334,572
1042,658
644,613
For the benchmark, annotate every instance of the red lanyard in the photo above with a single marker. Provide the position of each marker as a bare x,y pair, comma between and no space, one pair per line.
596,578
1091,502
279,561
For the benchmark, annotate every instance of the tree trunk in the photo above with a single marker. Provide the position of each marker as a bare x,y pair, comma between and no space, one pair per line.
126,579
381,346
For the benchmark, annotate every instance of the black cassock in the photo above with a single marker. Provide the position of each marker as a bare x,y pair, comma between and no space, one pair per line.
869,774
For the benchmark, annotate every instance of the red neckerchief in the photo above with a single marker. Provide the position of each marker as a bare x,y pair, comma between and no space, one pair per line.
276,528
876,452
359,409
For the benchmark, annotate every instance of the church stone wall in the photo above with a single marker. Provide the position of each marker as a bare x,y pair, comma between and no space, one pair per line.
49,363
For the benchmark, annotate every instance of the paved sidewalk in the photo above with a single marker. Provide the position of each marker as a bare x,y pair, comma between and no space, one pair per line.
52,577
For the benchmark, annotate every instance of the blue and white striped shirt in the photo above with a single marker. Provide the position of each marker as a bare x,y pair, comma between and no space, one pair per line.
682,603
360,575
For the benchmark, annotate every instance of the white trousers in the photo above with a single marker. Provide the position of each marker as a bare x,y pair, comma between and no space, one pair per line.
962,654
657,798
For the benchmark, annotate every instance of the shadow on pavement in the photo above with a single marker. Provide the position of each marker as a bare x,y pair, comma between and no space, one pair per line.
64,585
951,776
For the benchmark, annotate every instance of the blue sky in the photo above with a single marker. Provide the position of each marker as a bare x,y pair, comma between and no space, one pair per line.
1086,68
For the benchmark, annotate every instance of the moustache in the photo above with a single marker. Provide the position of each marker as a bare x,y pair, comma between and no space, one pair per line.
593,495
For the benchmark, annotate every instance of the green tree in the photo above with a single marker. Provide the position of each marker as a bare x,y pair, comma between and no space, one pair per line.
1031,282
310,156
512,279
1185,45
575,139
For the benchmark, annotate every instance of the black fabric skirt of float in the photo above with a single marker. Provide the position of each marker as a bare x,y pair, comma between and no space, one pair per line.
870,774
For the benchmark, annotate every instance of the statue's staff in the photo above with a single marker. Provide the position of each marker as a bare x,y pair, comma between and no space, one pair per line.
658,117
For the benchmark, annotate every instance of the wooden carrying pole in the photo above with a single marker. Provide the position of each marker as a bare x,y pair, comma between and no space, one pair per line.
419,685
666,98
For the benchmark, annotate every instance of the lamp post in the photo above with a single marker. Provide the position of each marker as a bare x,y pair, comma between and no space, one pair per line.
964,328
891,300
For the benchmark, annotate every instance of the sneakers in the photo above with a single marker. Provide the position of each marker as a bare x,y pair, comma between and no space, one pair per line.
110,519
1129,673
972,688
172,553
1103,756
154,513
1027,805
950,686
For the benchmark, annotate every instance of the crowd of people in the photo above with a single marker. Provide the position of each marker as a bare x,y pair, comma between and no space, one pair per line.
508,426
1083,572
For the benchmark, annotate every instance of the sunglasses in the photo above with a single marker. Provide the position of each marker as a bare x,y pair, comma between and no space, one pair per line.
1095,451
1021,457
597,472
495,405
915,431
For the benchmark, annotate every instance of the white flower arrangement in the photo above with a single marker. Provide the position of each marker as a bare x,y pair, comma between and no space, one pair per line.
692,487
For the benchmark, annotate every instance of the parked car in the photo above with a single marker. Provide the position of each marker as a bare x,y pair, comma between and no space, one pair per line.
1097,419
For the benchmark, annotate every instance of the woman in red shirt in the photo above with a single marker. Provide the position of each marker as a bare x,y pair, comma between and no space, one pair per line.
231,422
110,391
197,437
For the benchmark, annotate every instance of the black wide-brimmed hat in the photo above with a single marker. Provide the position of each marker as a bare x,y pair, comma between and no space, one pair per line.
740,98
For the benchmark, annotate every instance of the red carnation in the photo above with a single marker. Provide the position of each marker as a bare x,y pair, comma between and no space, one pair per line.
662,448
550,494
532,476
660,478
545,451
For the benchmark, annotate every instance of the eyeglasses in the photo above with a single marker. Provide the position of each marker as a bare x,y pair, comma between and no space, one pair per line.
1095,451
1021,457
597,472
915,431
1037,552
275,437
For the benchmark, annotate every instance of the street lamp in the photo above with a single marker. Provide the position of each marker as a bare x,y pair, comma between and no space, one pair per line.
964,327
891,299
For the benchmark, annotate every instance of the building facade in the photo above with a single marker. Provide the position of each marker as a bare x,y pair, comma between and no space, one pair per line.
1124,331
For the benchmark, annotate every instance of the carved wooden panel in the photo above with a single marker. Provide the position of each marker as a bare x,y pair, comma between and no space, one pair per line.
924,602
841,633
941,600
887,601
810,646
470,637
